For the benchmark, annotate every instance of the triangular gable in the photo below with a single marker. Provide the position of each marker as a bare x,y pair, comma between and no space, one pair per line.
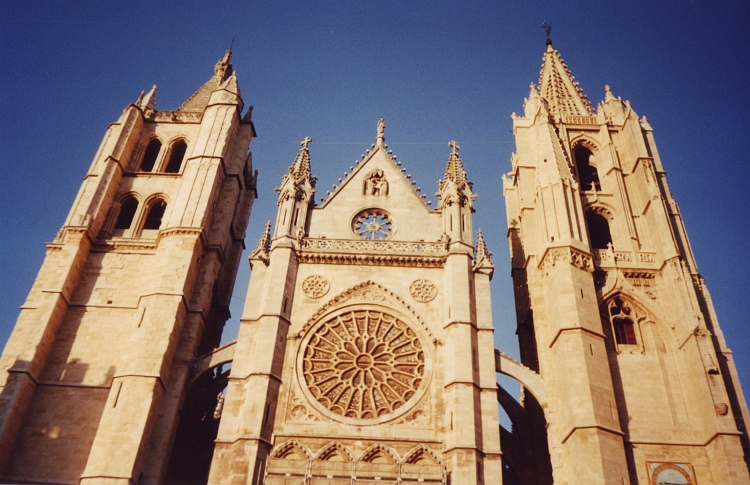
380,158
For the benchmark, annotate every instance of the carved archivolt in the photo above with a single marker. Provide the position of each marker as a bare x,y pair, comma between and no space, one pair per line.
315,286
423,290
362,364
367,292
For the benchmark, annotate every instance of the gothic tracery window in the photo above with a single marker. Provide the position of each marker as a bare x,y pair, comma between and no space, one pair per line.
373,224
623,322
363,364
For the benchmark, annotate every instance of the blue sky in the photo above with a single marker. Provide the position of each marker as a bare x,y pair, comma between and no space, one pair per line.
436,71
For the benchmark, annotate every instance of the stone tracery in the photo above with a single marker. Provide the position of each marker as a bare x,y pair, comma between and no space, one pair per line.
363,364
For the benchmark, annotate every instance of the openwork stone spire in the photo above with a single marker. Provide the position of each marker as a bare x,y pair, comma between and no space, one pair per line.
300,169
559,88
454,171
263,248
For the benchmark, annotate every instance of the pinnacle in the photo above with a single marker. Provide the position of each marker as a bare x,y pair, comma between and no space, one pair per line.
263,248
482,254
559,88
301,167
454,171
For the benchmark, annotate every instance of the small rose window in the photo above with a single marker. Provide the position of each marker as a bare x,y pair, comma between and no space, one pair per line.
373,224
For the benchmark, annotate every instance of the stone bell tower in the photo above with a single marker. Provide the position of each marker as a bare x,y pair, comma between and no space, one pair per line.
136,282
365,350
640,386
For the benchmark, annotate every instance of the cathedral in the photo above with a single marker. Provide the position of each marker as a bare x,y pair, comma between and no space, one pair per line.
365,353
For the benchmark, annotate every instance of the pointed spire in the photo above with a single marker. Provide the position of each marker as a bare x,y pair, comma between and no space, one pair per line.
222,79
559,88
263,249
380,140
482,255
300,169
455,169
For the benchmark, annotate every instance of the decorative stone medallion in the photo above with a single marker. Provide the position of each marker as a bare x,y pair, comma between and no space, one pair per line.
315,286
423,290
362,365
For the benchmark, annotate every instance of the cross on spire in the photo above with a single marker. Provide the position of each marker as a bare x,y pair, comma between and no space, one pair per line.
305,142
454,146
548,29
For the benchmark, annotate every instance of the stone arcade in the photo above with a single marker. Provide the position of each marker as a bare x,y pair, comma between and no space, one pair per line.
365,353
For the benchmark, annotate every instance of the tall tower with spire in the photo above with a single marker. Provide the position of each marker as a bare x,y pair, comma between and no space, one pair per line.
365,350
639,385
135,284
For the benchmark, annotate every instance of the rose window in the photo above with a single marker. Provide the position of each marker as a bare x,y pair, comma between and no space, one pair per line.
373,224
363,364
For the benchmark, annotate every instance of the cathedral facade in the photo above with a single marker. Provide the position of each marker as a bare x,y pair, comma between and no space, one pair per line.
365,353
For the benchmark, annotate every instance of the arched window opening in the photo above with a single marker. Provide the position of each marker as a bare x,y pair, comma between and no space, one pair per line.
155,214
127,212
599,233
150,155
588,177
176,155
622,321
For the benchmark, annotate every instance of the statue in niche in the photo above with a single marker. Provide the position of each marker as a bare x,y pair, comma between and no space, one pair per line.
375,183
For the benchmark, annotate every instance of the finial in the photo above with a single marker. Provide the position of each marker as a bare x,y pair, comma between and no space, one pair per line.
305,142
608,96
381,132
454,146
548,29
224,67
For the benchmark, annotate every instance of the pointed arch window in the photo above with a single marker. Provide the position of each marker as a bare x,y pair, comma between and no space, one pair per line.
155,215
176,156
128,207
623,324
588,177
150,155
599,232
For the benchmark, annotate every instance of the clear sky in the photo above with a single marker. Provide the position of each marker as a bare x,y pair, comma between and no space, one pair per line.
436,71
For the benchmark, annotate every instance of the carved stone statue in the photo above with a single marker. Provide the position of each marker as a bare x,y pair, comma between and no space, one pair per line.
375,183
